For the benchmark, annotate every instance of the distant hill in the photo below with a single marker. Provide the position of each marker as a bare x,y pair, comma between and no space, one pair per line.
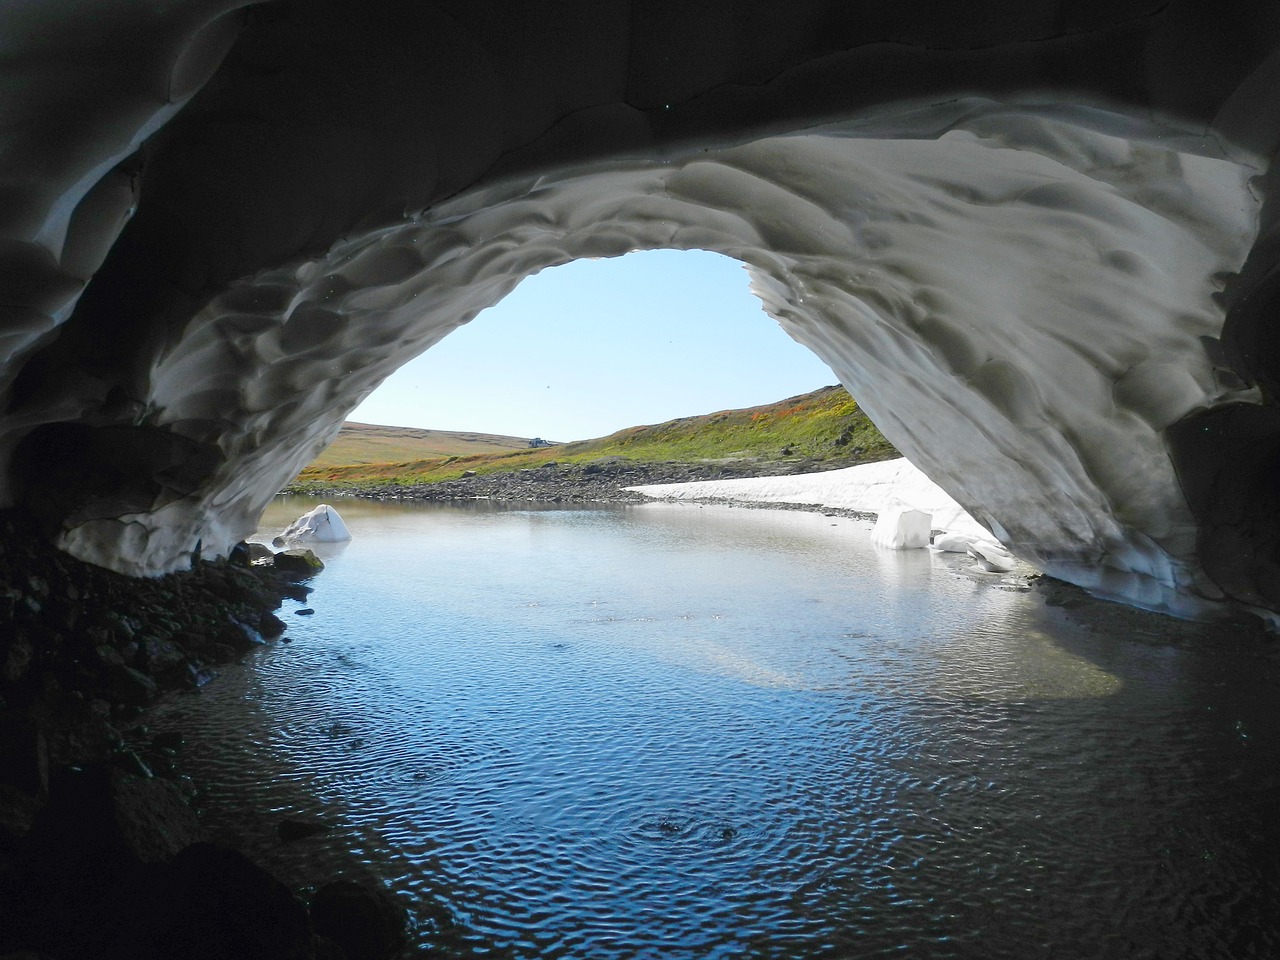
814,431
364,443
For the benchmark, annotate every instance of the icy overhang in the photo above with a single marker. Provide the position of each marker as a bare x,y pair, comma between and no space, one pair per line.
1020,296
1036,248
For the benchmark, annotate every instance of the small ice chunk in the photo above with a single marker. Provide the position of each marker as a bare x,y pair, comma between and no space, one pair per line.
994,559
321,525
953,542
900,527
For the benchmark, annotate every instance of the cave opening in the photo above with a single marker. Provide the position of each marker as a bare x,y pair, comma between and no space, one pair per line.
1017,235
584,349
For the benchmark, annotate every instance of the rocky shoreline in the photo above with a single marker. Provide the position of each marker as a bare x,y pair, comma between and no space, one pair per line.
102,854
599,481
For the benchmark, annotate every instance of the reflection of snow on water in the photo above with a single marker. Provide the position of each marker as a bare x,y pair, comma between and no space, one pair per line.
780,742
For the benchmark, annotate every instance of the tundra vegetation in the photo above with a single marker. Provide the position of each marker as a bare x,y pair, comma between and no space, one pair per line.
821,430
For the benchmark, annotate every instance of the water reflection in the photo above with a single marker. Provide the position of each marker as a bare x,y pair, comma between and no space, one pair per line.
682,732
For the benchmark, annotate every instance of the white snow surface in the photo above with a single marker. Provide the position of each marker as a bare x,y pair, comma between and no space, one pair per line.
321,525
869,488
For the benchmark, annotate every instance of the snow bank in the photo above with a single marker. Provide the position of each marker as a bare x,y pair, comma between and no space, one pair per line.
867,489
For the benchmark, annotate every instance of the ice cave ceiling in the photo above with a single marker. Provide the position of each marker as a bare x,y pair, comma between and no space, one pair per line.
1036,239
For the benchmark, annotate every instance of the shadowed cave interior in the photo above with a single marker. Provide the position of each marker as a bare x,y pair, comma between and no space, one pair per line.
1032,245
1038,242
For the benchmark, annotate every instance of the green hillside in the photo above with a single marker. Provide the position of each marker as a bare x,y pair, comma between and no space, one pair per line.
365,443
817,430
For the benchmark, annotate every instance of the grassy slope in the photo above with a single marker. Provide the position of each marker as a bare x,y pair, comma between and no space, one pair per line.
824,427
364,443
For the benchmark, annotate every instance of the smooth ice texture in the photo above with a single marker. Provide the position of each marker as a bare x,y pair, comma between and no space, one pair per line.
948,542
899,527
321,525
1010,236
992,558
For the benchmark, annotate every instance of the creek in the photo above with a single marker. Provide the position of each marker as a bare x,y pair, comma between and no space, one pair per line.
705,732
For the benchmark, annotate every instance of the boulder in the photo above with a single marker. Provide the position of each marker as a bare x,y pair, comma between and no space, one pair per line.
214,903
101,822
362,919
259,553
298,564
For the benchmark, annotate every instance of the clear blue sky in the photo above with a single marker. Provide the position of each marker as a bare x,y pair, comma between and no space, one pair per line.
594,346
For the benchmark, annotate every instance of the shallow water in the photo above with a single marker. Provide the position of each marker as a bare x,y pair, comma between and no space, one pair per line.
678,731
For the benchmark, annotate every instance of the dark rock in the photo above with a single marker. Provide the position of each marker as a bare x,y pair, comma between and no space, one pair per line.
9,600
295,591
298,563
270,626
363,920
129,686
124,627
108,655
24,754
17,814
164,658
17,658
216,904
129,761
259,553
101,822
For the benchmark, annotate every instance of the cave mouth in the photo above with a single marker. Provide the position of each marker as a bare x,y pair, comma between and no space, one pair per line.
587,348
1019,294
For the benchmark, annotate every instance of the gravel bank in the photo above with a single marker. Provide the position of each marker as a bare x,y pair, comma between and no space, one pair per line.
600,481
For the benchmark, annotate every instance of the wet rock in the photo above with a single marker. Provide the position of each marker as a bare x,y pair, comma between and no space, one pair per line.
270,626
164,658
102,822
129,686
128,761
298,563
362,919
214,903
259,553
85,829
17,659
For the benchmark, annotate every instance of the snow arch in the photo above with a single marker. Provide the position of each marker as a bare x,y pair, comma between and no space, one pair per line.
989,278
1018,239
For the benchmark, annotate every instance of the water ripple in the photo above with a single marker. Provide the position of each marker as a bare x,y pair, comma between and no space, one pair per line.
614,750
